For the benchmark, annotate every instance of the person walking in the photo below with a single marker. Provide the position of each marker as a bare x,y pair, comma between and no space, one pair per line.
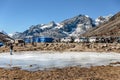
11,48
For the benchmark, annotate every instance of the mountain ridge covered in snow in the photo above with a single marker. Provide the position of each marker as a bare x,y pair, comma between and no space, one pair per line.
69,27
110,28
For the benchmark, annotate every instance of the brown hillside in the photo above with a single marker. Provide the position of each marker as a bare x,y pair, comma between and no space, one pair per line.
110,28
4,38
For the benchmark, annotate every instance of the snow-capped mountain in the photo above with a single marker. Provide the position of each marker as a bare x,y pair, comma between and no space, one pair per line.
102,19
110,28
69,27
2,31
15,35
10,35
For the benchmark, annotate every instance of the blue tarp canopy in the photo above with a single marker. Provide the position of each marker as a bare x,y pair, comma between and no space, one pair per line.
1,44
38,39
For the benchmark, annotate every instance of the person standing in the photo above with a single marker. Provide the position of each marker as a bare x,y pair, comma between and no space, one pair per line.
11,48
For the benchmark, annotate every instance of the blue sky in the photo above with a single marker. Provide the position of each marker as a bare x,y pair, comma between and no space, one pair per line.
19,15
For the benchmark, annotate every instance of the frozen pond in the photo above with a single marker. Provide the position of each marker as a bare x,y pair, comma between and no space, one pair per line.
33,61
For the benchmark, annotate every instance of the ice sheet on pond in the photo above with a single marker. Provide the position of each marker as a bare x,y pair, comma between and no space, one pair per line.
37,60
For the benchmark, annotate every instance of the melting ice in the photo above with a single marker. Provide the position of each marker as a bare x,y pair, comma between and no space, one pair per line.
36,60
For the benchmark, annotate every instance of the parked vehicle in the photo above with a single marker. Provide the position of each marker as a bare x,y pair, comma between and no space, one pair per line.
66,40
92,39
84,39
77,40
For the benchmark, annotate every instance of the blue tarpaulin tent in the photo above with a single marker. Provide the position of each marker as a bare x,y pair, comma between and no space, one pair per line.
1,44
27,40
38,39
46,39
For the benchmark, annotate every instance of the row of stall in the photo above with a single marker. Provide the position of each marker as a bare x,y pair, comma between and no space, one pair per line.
92,39
66,40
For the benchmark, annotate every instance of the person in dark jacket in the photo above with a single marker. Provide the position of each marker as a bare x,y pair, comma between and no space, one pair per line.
11,48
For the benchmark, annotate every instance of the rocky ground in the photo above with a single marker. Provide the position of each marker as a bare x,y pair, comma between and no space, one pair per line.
69,73
92,47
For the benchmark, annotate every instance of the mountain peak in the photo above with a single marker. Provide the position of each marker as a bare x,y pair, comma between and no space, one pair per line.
102,19
52,23
2,31
74,26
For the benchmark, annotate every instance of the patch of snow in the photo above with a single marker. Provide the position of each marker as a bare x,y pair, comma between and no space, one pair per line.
87,16
66,32
46,26
10,35
57,23
43,27
102,19
59,26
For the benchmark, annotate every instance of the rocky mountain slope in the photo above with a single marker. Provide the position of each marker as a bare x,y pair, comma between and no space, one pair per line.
69,27
110,28
5,38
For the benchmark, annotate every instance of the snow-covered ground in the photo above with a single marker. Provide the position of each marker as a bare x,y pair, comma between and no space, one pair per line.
36,60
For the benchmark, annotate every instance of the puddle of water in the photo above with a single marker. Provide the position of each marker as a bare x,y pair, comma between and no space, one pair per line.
33,61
